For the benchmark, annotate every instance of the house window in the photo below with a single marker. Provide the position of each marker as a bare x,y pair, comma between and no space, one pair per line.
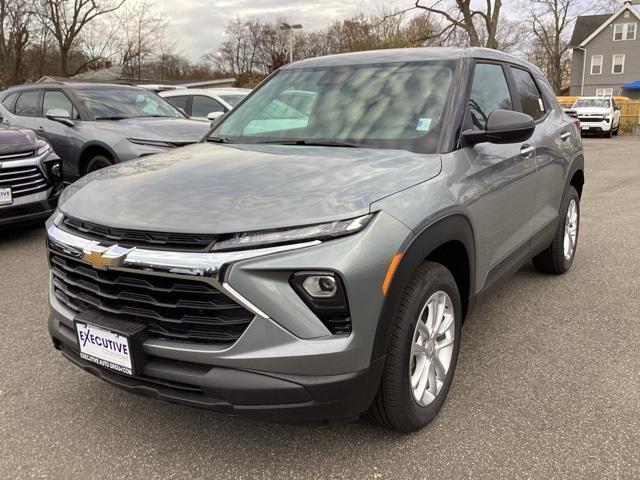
604,92
617,66
624,31
596,64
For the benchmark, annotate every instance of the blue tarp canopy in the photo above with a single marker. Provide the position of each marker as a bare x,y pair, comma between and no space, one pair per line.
635,85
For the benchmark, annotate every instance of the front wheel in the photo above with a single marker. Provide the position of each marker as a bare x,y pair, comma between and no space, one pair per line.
97,163
423,351
558,257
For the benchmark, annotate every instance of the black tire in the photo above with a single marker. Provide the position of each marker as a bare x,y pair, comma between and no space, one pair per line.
552,260
609,134
98,162
394,405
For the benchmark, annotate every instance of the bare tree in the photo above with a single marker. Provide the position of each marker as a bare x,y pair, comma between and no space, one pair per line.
15,19
551,24
480,25
66,20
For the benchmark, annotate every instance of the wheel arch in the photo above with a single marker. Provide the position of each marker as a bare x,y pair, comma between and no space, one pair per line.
92,149
449,241
575,175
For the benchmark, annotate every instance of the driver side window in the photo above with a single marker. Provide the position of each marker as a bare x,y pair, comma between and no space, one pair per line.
489,92
58,100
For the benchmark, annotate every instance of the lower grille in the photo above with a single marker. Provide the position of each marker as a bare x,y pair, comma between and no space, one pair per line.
173,308
23,180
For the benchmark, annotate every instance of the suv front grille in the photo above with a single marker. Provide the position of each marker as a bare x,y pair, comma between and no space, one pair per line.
23,180
173,308
135,238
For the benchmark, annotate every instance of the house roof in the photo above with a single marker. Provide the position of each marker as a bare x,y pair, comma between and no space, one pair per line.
627,7
585,26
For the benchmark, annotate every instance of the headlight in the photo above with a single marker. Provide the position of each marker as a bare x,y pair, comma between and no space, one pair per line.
320,231
42,147
150,143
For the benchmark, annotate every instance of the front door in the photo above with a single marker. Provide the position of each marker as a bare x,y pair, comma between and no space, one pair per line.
504,175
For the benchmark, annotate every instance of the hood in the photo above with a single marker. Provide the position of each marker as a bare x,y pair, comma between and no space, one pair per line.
592,110
13,140
213,188
175,130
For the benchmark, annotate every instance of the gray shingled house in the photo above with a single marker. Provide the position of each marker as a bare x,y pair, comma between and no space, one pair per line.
606,54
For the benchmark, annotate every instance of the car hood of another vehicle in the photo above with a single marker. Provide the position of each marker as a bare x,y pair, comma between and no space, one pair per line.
13,140
167,129
592,110
213,188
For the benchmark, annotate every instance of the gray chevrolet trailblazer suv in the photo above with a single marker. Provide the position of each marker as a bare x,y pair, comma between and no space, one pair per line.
30,178
91,126
316,259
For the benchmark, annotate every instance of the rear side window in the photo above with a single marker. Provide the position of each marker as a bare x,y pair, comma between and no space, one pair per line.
179,102
58,100
490,92
530,96
29,104
9,99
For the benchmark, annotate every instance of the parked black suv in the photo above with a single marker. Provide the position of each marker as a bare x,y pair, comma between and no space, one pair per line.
30,177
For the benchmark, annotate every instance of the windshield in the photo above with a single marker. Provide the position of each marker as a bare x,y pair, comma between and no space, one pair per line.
121,103
591,103
232,100
396,105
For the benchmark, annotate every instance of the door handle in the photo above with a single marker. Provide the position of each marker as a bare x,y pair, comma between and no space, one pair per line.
564,135
527,150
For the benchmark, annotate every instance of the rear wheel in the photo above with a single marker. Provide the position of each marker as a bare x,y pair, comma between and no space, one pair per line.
558,257
98,162
423,351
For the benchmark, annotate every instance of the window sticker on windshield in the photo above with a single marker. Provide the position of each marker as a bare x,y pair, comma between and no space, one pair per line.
424,124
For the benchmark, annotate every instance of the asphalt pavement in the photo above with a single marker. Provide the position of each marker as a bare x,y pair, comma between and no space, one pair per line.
547,384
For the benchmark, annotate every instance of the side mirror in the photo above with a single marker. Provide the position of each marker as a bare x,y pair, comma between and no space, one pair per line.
213,116
60,115
503,126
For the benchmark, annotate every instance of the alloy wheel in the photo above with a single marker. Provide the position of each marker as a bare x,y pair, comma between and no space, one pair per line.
431,348
571,229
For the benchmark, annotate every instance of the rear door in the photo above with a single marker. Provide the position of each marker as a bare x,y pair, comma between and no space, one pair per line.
504,174
554,143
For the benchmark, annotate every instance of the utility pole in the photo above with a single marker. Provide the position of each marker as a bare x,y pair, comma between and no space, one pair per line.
291,28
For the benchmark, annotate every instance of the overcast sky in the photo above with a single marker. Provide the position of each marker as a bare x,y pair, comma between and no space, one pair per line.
198,25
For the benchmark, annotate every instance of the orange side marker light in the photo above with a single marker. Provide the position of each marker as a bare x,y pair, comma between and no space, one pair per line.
395,261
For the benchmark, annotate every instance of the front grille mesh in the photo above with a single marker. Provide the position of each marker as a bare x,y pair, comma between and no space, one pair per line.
135,238
173,308
23,180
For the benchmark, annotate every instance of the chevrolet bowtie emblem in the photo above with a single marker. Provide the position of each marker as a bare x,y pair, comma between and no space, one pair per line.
104,257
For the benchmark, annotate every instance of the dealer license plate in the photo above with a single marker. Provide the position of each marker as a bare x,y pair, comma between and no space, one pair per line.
104,347
6,197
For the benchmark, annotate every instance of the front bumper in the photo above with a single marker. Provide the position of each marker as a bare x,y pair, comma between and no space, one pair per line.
286,365
587,127
29,209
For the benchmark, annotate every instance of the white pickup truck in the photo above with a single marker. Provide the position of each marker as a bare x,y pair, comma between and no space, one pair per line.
597,115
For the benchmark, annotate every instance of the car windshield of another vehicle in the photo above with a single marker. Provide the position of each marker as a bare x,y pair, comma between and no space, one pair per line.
395,105
591,103
232,100
121,103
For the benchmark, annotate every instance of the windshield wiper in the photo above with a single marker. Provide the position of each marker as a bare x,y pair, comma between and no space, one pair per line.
315,143
218,139
112,118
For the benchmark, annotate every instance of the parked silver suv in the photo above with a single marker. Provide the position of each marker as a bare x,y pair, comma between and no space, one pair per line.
317,263
92,126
